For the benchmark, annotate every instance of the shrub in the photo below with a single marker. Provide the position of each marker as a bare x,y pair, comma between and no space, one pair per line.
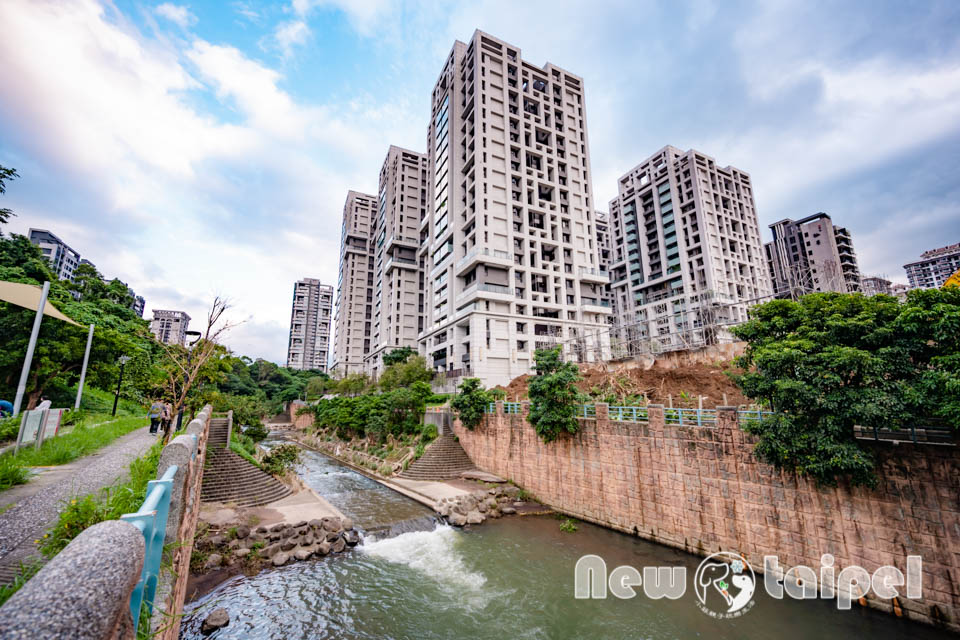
281,459
470,403
568,526
553,395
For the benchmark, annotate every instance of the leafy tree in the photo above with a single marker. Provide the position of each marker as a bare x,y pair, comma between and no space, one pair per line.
830,361
553,395
404,374
398,356
353,384
6,174
317,386
471,402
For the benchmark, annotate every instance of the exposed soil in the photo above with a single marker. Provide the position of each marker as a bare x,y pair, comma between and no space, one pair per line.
676,386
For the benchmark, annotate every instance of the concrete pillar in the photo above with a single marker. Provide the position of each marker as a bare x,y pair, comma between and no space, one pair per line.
179,452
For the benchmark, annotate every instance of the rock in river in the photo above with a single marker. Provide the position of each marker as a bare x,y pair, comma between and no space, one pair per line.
217,619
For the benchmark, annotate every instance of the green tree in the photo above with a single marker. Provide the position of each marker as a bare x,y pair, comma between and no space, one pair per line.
398,355
830,361
6,174
353,384
317,386
553,395
404,374
471,402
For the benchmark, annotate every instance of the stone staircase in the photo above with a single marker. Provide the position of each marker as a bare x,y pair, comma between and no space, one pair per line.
443,460
229,478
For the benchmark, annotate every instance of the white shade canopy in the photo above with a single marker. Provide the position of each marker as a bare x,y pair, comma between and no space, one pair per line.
28,297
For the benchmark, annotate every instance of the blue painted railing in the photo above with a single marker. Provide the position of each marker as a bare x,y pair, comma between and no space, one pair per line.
628,414
684,417
587,411
151,520
511,407
689,417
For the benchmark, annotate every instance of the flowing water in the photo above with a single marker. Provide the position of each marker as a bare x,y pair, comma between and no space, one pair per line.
509,578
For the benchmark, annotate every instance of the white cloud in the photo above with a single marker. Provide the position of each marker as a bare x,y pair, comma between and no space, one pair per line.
177,14
290,34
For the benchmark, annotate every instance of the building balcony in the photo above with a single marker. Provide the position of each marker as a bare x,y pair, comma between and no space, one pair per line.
595,306
489,256
400,263
589,274
401,240
489,291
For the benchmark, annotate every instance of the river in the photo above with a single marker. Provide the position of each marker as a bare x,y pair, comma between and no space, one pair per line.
508,578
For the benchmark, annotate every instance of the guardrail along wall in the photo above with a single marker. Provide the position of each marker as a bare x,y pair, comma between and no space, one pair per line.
699,488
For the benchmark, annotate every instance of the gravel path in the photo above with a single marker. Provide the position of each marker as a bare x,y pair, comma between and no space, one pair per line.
34,507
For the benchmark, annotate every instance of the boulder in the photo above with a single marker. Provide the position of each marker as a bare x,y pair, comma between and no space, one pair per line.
339,545
493,513
243,532
332,536
459,508
302,523
281,559
316,524
302,554
519,504
511,491
277,528
233,544
213,561
331,524
475,517
262,529
272,550
288,544
306,540
507,511
482,507
347,523
215,541
217,619
457,519
352,537
241,552
274,536
323,548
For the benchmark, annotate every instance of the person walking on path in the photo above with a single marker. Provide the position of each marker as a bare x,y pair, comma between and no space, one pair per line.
167,417
155,413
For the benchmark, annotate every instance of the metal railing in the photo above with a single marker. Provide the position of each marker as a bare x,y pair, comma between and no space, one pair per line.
689,417
916,435
587,411
151,520
511,407
752,414
628,413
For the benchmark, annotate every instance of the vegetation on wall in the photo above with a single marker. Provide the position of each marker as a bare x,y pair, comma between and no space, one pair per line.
831,361
553,395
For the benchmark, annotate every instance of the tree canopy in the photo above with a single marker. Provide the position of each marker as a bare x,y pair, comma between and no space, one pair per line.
553,395
831,361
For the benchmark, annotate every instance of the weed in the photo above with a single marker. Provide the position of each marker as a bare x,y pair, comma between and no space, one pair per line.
523,495
568,526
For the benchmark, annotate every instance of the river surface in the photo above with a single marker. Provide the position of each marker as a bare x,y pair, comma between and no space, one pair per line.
509,578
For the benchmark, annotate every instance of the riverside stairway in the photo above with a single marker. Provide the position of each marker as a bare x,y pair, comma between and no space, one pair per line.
443,460
229,478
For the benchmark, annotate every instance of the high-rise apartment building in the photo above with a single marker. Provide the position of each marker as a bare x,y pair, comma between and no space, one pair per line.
310,316
934,267
170,327
687,255
398,297
63,260
605,257
508,242
811,255
354,314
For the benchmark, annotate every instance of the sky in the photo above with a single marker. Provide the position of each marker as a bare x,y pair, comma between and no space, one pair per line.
206,148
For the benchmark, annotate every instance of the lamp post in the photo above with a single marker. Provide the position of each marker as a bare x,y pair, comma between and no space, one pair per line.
116,398
190,345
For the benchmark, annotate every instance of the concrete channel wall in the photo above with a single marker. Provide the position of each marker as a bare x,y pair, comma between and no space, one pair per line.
701,489
83,593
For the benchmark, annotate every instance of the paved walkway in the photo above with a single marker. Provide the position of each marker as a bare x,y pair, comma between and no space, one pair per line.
27,511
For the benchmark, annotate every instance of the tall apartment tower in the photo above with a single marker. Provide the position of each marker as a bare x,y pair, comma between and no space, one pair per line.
934,267
687,255
310,316
509,245
63,259
398,297
170,327
354,315
605,255
811,255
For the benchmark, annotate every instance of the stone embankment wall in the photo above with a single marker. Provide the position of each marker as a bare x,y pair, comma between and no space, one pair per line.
702,490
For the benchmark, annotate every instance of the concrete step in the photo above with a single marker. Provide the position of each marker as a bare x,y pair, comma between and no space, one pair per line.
444,459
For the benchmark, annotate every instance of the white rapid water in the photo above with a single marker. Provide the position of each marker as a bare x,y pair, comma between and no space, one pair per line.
433,553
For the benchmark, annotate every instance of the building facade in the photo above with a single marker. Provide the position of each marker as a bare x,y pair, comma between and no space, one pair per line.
310,318
508,242
687,255
811,255
398,296
605,258
170,327
873,285
354,313
63,260
934,267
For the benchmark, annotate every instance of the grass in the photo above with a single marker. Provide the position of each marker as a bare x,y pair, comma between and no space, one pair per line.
245,447
26,572
82,440
568,526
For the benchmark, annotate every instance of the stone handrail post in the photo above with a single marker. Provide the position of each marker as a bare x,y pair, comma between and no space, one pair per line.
83,593
498,407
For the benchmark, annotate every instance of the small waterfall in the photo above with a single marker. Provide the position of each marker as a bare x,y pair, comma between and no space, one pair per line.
394,529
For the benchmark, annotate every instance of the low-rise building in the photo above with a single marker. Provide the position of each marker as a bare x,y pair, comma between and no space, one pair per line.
170,327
